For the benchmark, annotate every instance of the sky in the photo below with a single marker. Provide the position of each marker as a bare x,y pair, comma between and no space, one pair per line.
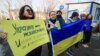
36,4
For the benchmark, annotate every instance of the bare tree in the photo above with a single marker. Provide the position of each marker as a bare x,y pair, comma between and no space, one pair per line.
45,6
6,4
9,8
49,5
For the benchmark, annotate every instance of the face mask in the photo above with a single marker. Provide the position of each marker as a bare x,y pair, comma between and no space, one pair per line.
53,21
59,16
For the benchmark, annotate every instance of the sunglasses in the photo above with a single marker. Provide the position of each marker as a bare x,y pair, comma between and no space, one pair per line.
53,14
28,10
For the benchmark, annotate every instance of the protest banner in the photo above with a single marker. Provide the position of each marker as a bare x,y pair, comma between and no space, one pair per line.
25,35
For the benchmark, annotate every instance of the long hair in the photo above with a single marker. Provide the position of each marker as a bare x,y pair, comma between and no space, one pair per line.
88,16
22,17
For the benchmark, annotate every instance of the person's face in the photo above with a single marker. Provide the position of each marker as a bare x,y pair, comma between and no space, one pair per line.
76,17
27,12
83,16
90,16
53,15
59,13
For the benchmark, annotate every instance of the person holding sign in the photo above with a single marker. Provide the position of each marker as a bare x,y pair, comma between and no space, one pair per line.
26,13
4,46
2,40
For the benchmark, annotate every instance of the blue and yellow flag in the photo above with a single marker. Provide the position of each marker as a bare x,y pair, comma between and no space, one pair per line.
67,36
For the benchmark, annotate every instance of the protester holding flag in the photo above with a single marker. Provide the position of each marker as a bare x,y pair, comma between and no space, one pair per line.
55,21
26,13
72,19
87,30
51,23
60,18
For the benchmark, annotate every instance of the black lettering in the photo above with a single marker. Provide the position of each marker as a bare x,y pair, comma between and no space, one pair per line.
18,44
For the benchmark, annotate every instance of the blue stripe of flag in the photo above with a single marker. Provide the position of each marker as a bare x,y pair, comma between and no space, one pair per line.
67,31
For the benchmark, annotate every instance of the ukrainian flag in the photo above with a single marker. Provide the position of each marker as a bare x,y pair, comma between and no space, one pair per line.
67,36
